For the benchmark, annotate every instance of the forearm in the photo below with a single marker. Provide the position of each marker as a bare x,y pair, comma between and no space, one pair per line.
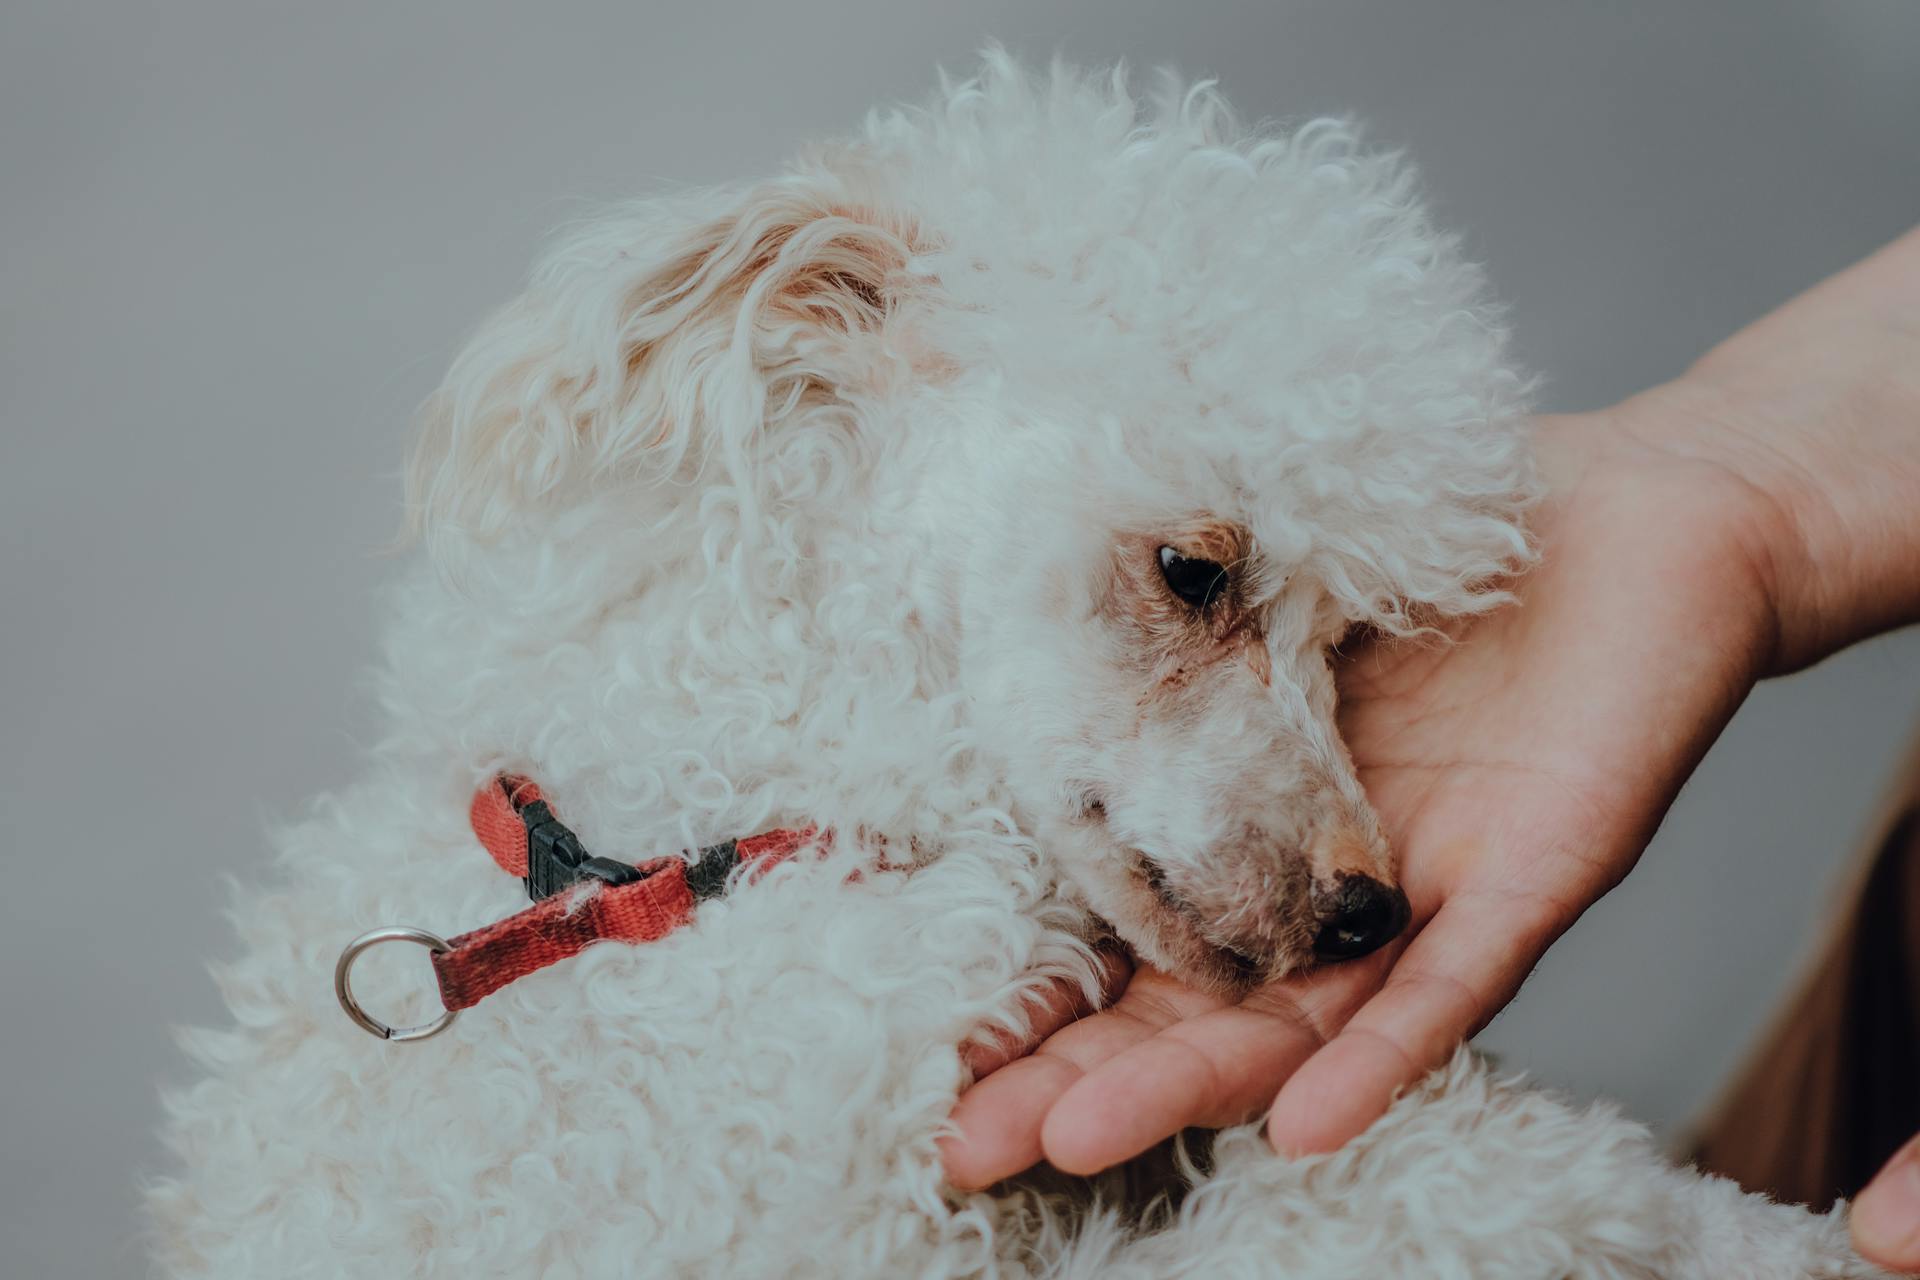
1816,408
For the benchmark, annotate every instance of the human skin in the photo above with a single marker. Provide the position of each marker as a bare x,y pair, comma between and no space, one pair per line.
1744,521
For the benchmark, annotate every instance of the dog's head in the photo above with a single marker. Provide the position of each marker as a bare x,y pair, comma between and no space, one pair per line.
1132,413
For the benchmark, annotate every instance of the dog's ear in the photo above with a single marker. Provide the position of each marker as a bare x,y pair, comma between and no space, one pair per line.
657,341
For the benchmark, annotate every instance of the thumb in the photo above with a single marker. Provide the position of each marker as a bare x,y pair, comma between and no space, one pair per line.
1886,1216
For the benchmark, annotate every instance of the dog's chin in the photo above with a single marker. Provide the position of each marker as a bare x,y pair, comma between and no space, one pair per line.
1175,937
1135,897
1180,948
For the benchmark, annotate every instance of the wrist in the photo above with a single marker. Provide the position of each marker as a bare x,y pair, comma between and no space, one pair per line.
1827,516
1813,415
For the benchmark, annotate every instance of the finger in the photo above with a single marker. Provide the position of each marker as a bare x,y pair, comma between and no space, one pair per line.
996,1123
1051,1007
1214,1070
1217,1068
1885,1219
1464,965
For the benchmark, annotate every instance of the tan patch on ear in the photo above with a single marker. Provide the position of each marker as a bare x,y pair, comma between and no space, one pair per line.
800,272
844,284
833,269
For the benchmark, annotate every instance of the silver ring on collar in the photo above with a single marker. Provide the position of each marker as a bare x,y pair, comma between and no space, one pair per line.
343,988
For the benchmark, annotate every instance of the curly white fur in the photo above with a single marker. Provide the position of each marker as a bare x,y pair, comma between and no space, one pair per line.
795,502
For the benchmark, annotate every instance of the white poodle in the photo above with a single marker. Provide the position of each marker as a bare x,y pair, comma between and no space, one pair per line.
985,493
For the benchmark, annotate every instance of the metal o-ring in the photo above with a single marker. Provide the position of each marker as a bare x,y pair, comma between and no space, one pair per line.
366,1021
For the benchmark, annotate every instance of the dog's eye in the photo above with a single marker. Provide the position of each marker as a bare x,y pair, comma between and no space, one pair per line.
1198,582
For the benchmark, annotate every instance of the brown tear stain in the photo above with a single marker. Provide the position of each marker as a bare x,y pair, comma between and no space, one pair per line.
1253,648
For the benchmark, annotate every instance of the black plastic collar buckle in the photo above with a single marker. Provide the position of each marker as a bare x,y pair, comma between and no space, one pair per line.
707,878
556,859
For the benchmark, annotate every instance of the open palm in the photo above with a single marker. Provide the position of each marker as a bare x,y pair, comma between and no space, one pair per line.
1519,771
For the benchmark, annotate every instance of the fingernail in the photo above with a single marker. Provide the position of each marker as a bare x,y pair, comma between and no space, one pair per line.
1886,1216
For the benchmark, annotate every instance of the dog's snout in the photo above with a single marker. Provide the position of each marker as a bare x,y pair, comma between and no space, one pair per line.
1357,915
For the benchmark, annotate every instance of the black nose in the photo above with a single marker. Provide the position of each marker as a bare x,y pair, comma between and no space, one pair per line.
1357,915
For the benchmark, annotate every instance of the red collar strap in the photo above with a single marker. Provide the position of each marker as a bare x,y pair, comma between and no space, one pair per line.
578,900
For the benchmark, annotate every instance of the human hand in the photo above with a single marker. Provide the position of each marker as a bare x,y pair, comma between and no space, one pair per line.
1886,1216
1742,521
1518,772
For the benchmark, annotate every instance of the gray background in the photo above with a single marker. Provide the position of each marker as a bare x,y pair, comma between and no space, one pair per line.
239,242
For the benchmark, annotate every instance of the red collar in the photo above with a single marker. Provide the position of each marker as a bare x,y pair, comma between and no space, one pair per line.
605,900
